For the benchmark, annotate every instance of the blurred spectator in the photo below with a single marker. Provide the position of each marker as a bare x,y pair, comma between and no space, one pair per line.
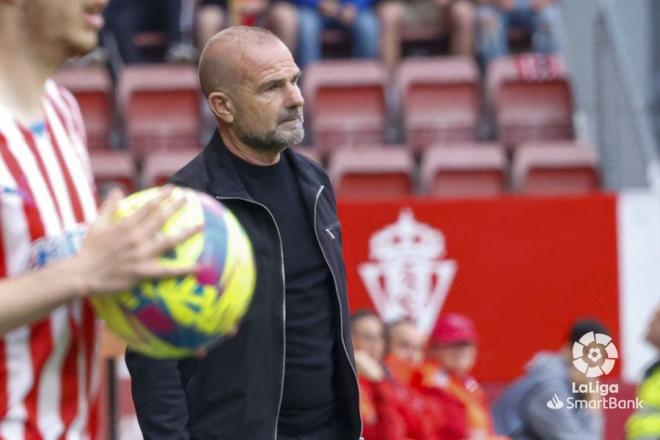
283,21
214,15
495,18
645,423
390,410
526,410
211,17
405,343
355,16
446,377
454,17
126,18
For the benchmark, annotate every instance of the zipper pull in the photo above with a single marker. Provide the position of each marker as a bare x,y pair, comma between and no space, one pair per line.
329,231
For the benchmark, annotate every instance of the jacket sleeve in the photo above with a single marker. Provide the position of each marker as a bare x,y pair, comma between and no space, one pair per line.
159,397
562,423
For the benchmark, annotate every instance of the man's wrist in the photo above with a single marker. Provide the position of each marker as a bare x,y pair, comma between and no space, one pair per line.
78,277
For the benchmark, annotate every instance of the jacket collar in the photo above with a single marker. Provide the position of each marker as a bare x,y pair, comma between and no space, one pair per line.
226,182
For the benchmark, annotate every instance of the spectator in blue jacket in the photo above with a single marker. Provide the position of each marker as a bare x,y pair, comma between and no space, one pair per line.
355,16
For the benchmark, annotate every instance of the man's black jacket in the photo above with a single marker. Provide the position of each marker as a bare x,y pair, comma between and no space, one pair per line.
235,392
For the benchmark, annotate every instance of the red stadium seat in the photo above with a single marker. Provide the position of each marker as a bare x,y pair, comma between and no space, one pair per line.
372,172
346,102
161,108
439,100
92,88
531,99
464,171
113,169
159,166
557,168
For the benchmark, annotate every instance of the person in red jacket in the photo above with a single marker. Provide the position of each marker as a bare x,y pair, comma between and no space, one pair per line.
405,349
390,409
445,376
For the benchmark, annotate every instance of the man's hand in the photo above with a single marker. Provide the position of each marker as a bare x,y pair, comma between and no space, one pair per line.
329,8
369,367
539,5
347,14
252,7
118,255
506,5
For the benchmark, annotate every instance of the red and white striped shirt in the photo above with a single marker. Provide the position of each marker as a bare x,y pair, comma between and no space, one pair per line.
47,371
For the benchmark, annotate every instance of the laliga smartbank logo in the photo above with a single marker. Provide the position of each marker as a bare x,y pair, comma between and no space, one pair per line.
594,355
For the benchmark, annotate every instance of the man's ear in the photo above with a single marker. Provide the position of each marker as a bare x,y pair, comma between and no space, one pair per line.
221,106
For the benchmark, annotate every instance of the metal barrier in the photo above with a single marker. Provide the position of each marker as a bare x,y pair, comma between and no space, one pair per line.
610,111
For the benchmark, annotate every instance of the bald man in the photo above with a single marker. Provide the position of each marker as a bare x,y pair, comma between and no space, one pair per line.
288,373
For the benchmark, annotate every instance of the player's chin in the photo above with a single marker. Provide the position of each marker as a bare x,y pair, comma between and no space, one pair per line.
83,44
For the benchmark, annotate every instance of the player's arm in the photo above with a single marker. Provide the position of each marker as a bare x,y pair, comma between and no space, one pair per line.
114,256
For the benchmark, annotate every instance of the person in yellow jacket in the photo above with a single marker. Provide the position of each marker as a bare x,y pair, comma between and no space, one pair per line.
644,424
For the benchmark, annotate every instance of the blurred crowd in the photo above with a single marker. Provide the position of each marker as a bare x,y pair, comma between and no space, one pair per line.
367,28
417,389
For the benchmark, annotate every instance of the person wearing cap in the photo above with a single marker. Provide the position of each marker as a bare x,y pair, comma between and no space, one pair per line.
536,405
445,376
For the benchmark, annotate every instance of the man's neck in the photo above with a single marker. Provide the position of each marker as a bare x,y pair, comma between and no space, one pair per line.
245,152
23,73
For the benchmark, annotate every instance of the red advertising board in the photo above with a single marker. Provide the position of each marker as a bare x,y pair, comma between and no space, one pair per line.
523,268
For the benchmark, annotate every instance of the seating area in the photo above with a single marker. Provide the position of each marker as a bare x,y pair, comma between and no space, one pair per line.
437,129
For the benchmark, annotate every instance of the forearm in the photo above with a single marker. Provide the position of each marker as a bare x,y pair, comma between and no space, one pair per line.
27,298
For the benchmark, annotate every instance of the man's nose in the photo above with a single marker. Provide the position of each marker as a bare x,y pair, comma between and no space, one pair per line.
294,96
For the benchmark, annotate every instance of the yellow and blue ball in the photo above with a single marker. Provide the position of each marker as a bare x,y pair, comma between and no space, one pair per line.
176,317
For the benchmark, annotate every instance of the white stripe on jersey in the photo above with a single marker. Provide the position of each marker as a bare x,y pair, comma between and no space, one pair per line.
28,164
45,149
15,231
65,101
49,393
20,380
73,164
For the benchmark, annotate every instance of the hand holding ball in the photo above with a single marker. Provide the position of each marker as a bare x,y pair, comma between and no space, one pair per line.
177,317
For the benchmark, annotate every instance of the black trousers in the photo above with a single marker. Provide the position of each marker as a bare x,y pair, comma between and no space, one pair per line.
335,430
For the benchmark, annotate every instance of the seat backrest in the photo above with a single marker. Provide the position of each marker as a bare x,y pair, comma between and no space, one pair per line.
552,169
372,172
470,170
160,106
92,88
159,166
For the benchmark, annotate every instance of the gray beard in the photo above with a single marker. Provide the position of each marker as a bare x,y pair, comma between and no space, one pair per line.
271,142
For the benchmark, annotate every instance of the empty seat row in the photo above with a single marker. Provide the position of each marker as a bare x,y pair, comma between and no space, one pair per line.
470,170
158,105
465,171
435,100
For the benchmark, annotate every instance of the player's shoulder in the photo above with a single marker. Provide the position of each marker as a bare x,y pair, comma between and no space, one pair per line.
60,95
310,165
192,175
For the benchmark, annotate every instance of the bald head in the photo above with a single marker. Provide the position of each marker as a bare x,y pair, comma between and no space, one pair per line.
250,80
405,340
225,55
